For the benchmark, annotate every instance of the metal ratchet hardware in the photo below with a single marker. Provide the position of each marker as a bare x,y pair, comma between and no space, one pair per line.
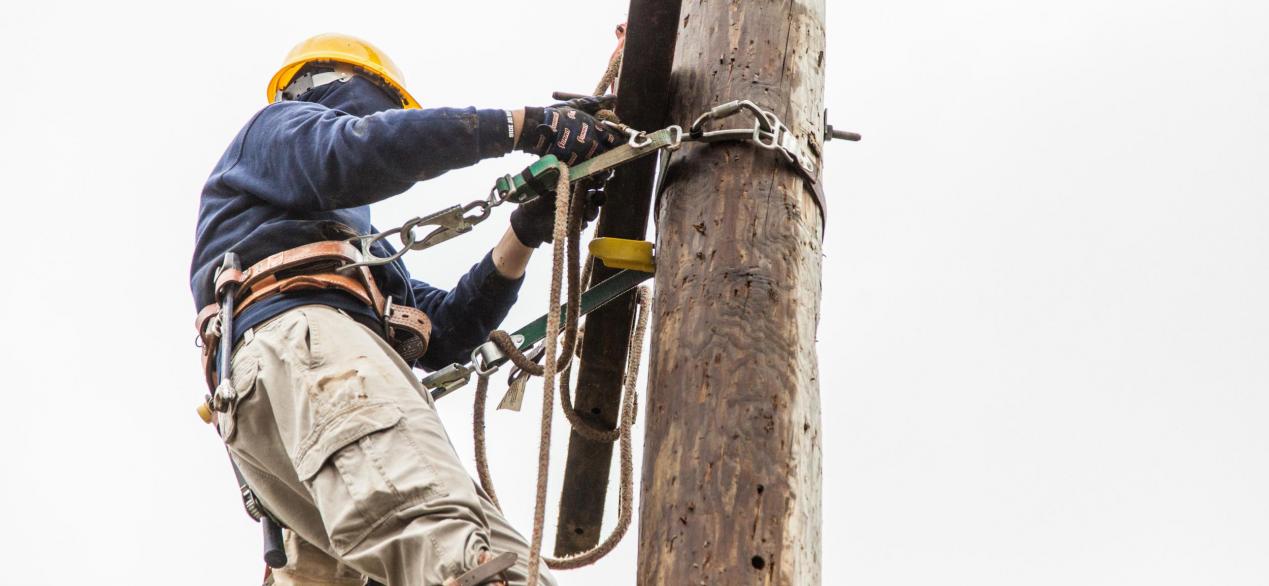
768,132
485,360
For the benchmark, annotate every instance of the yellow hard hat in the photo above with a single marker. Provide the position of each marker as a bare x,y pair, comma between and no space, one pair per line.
334,47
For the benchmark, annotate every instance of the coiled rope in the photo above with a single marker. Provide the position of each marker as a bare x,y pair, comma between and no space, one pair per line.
565,264
565,256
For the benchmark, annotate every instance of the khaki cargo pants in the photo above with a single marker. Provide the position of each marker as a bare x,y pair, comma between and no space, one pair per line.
339,440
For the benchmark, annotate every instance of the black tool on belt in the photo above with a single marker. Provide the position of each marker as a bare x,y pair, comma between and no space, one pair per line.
274,553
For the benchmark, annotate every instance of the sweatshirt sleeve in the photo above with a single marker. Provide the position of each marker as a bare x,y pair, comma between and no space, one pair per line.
463,317
304,156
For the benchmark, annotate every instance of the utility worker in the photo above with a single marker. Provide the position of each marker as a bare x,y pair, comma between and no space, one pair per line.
330,426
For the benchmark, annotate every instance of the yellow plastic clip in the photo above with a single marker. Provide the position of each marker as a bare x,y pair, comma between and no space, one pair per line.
619,253
204,412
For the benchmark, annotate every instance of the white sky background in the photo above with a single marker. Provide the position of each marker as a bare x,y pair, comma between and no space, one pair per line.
1044,331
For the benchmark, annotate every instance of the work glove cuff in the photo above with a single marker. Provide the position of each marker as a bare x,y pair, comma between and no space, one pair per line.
532,229
532,139
534,222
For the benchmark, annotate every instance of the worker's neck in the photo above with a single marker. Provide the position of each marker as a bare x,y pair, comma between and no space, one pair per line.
357,96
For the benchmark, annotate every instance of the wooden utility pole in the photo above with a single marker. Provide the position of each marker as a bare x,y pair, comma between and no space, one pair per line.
731,471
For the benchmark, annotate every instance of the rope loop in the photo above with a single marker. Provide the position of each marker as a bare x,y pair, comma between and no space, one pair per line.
558,357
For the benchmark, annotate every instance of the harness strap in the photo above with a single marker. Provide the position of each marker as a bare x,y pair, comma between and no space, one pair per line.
313,257
408,330
315,266
350,285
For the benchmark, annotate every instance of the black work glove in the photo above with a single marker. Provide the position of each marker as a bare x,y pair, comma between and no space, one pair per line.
570,134
534,222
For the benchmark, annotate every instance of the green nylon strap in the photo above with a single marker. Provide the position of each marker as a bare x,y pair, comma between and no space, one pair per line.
453,377
594,298
544,170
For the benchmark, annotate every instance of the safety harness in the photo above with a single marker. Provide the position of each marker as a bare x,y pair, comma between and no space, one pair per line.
325,265
317,266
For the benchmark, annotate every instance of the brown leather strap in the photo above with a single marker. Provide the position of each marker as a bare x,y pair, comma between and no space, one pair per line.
260,280
205,316
350,285
406,328
225,278
320,257
376,297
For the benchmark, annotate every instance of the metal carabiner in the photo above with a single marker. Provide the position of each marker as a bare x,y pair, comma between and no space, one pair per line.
728,110
768,125
486,208
676,138
450,223
768,120
497,196
364,247
638,139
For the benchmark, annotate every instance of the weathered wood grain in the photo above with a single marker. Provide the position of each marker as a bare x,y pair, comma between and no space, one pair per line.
732,461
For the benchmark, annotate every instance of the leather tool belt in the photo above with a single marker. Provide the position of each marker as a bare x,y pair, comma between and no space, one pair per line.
312,267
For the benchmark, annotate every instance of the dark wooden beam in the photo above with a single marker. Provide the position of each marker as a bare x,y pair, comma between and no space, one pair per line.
643,103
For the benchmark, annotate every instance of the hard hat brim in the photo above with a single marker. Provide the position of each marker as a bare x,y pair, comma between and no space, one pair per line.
287,73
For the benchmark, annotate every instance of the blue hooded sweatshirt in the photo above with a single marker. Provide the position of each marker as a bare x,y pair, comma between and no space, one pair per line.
306,170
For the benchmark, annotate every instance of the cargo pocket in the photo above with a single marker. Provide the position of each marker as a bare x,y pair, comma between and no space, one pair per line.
362,469
243,373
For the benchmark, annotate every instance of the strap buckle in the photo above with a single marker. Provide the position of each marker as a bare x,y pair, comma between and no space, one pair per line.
534,181
486,359
768,132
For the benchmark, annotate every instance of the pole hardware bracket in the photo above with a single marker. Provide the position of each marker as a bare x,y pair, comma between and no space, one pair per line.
831,133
